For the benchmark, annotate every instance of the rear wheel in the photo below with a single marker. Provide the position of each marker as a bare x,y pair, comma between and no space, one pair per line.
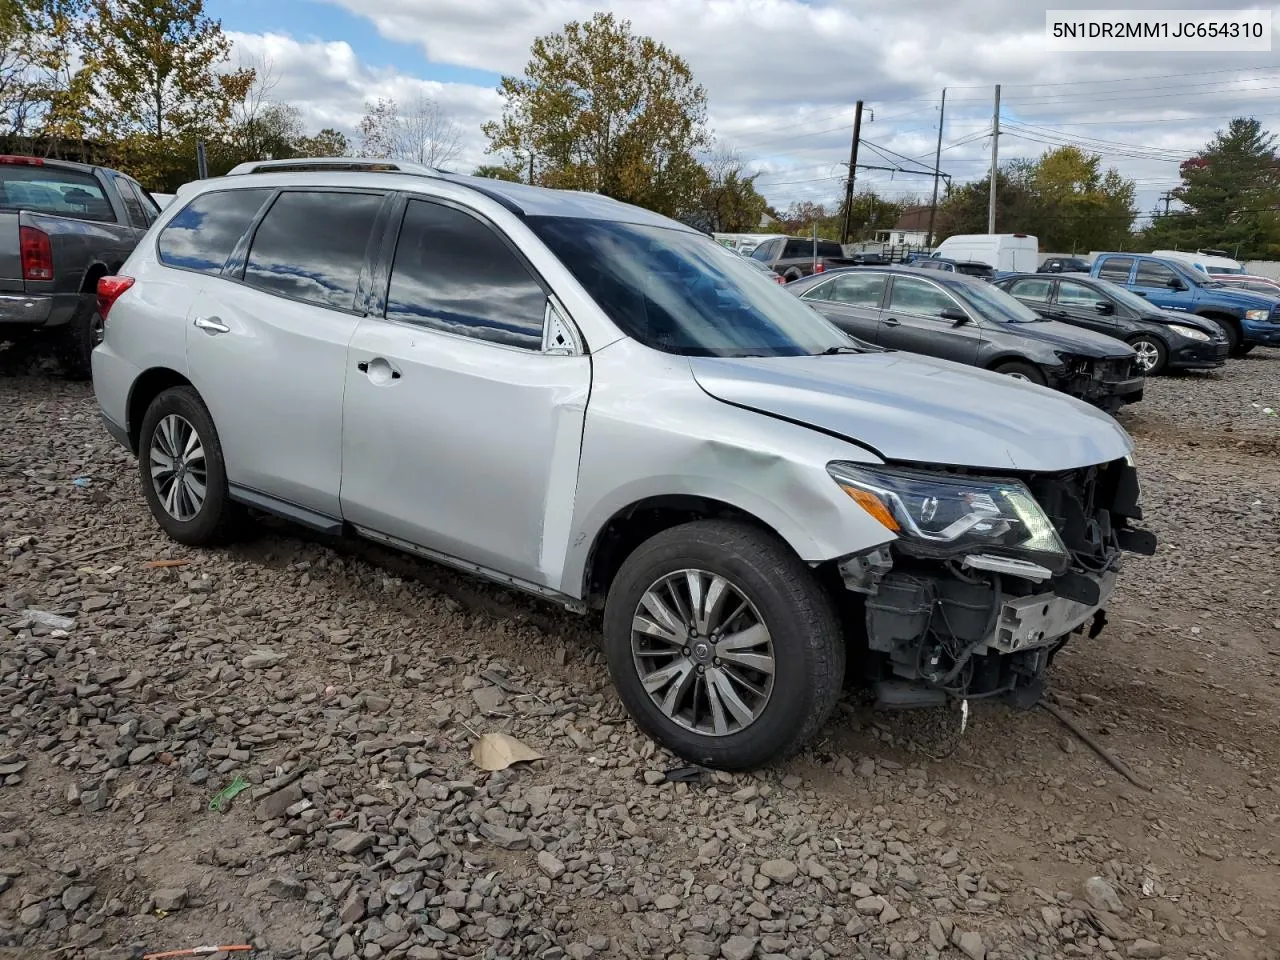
76,342
722,644
1152,354
1021,370
183,475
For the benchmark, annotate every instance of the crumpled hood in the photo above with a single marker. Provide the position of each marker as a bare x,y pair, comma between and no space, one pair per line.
1070,339
918,409
1168,318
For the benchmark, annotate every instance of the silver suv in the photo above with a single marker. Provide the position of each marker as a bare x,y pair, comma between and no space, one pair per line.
598,405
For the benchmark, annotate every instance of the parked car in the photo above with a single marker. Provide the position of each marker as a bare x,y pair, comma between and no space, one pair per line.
1161,340
1213,262
983,271
793,257
1063,265
63,225
593,403
1246,281
1247,318
758,267
163,199
1000,251
954,317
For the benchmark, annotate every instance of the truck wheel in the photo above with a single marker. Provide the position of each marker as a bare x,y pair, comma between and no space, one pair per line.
722,644
77,340
183,475
1231,331
792,275
1152,354
1243,349
1020,370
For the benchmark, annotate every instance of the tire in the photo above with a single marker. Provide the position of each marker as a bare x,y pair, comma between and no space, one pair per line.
1153,355
1243,349
792,275
77,340
216,518
1230,330
1021,370
803,638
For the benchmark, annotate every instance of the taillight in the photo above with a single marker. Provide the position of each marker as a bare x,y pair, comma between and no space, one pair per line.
819,267
37,254
109,290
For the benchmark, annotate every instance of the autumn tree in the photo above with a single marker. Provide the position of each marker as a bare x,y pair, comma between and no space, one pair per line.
601,109
420,131
1231,195
728,201
44,84
1079,207
327,143
159,81
497,172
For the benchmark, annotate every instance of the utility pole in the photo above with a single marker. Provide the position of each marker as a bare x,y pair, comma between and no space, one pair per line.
531,167
995,154
937,165
1166,198
853,168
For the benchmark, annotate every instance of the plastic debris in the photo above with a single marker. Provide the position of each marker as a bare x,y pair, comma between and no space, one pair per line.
47,619
83,481
684,774
497,751
223,797
198,951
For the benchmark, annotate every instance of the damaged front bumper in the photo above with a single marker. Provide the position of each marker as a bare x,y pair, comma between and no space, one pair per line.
1105,383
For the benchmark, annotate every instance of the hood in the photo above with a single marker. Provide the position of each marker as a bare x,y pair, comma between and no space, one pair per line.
917,409
1069,339
1244,299
1183,320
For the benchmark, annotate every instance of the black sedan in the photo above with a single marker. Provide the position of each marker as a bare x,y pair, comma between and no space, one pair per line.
1162,340
1064,265
955,317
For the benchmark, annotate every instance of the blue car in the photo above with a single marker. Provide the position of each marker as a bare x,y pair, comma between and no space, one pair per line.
1248,318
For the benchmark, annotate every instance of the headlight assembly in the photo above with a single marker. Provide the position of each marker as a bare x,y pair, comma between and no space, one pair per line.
1257,315
944,515
1191,333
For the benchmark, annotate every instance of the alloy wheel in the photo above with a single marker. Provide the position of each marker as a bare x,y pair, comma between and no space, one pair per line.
1148,355
97,330
178,468
703,652
1015,375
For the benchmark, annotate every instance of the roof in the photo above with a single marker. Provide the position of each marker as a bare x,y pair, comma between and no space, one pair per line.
521,198
913,220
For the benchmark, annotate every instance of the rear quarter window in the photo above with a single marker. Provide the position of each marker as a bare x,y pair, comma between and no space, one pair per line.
54,190
202,236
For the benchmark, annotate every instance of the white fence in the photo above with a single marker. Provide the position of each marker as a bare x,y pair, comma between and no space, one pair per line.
1263,268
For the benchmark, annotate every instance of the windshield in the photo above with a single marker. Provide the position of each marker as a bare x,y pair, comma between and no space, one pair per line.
683,293
994,304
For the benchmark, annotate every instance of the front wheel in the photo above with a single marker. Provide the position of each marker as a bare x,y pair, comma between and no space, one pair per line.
1243,349
1019,370
184,478
1152,354
723,645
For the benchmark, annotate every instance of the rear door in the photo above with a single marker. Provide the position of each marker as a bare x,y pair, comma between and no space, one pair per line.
852,302
462,425
267,343
912,320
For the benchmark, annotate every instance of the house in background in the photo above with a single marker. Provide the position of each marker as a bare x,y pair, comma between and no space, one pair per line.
912,229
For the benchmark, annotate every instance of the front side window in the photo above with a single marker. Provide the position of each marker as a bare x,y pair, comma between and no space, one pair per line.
454,273
1152,274
1031,289
857,289
56,190
1116,268
920,297
1077,295
203,234
675,291
311,246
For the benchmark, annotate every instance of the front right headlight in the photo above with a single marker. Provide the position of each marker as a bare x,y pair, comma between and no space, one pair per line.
946,515
1257,315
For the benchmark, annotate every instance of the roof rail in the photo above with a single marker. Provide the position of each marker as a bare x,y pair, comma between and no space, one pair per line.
359,164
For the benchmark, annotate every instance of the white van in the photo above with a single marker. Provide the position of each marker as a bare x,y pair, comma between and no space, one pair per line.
1007,252
1209,263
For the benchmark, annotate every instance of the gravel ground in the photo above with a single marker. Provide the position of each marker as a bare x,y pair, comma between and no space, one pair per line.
346,685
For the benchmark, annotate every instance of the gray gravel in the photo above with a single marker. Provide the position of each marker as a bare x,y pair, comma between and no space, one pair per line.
346,685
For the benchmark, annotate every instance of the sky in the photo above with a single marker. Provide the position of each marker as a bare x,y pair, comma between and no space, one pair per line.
782,77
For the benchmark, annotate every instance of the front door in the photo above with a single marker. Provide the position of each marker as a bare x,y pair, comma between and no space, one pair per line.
461,433
1077,304
269,352
913,321
1152,279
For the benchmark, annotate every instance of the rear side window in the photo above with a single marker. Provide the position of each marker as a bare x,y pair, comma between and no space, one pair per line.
1078,295
1116,269
453,273
1031,289
856,290
54,190
202,236
311,246
829,248
798,248
132,205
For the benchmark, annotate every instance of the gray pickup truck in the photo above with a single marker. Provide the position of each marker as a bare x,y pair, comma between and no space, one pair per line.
62,226
794,257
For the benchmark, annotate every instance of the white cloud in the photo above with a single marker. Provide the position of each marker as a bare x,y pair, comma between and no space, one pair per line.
781,76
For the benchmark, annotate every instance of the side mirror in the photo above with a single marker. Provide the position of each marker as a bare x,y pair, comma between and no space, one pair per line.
1177,284
1105,307
957,317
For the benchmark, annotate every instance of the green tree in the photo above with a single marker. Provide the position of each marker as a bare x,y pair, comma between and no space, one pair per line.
44,85
602,109
728,201
1077,207
159,82
497,172
1231,195
964,210
327,143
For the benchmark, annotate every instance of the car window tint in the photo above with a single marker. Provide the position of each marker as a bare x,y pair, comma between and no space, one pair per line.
764,251
1116,268
132,205
453,273
1031,289
798,248
1071,294
203,234
311,246
1152,274
858,290
150,208
828,248
56,190
919,297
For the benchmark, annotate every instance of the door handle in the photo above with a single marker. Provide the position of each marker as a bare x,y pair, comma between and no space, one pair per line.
378,369
211,325
891,322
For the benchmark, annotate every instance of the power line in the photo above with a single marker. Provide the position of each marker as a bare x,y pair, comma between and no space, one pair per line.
1160,76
